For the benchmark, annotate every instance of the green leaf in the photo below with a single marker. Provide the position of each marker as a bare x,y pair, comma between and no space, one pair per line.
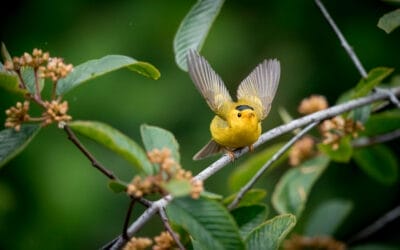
378,162
117,186
212,196
177,188
243,173
207,221
375,77
194,28
251,197
94,68
270,234
28,75
249,217
158,138
390,21
12,143
342,154
327,217
114,140
291,192
382,123
4,53
10,83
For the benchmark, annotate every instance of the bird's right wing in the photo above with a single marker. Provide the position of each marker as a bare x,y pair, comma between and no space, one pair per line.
208,83
210,149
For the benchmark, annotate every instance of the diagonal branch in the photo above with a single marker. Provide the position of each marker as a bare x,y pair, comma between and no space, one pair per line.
274,158
273,133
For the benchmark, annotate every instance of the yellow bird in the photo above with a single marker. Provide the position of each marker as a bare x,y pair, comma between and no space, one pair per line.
236,124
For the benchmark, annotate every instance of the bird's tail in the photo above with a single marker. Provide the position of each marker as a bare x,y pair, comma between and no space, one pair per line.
211,148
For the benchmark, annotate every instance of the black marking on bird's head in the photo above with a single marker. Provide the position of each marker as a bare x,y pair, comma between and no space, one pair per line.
243,107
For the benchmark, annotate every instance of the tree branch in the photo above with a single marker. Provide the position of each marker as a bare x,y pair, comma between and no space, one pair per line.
274,158
273,133
367,141
343,40
168,227
72,137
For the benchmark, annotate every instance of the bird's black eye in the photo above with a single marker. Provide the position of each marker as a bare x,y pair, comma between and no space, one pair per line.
239,114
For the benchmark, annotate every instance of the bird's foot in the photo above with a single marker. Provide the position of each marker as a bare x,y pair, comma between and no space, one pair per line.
251,148
231,155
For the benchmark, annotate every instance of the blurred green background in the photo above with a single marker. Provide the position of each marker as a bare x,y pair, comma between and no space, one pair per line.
51,197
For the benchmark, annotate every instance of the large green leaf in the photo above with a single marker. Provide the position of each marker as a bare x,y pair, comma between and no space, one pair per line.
341,154
10,83
194,28
12,143
94,68
382,123
327,217
375,77
243,173
249,217
158,138
207,221
378,162
270,234
291,192
115,141
390,21
251,197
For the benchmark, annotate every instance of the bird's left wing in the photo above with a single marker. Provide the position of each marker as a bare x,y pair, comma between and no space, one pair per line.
259,87
208,83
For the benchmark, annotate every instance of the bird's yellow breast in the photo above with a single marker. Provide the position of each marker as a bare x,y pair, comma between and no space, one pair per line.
240,129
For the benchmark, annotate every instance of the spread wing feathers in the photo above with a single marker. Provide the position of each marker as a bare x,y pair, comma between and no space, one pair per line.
208,83
260,86
211,148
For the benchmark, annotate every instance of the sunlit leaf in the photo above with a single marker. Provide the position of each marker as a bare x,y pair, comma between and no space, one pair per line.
117,186
10,83
178,188
375,77
249,217
158,138
207,221
251,197
114,140
12,143
342,153
378,162
243,173
270,234
292,191
94,68
211,195
327,217
390,21
194,28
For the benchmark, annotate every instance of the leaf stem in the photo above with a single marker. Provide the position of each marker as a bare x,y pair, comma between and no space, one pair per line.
72,137
274,158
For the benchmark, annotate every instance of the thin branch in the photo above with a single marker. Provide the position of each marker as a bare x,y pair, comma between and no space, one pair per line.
377,225
367,141
392,97
342,39
273,133
274,158
72,137
126,222
168,227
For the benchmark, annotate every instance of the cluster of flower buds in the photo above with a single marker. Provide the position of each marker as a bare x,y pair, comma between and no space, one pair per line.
297,242
17,115
55,69
312,104
169,170
55,112
34,60
334,129
164,241
302,150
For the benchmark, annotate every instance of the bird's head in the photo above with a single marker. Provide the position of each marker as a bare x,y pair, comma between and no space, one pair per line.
242,114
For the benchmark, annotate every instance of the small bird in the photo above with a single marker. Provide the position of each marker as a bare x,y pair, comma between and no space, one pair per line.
237,124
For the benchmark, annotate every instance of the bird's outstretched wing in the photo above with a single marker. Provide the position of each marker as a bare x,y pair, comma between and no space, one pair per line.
259,87
211,148
208,83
